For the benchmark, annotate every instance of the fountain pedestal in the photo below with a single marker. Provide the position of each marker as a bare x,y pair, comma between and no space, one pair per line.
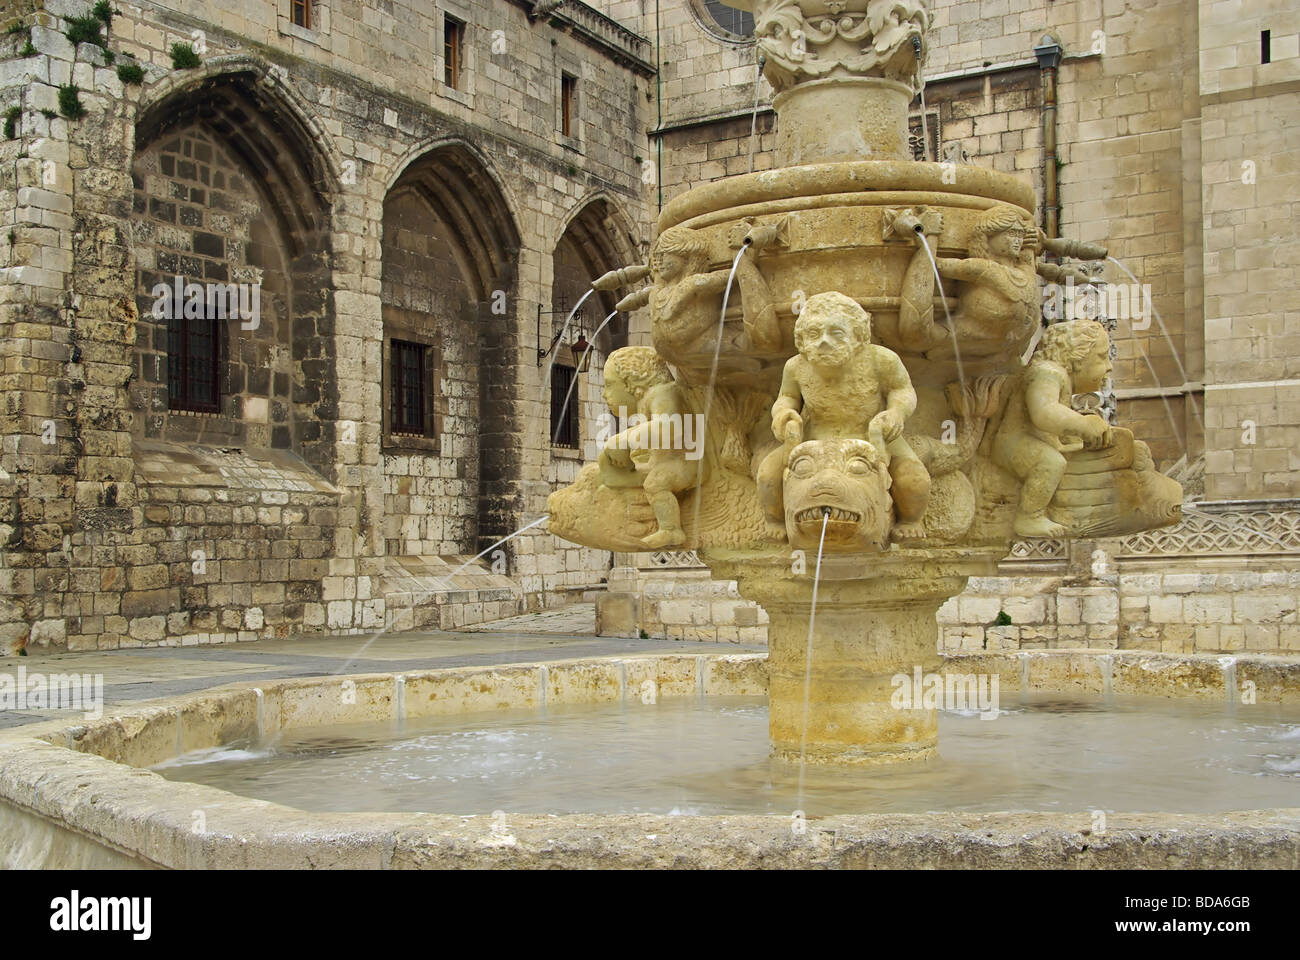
875,619
844,119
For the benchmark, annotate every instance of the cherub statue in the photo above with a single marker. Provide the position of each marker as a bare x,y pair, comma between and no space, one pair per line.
1039,427
637,380
997,301
842,386
758,306
686,297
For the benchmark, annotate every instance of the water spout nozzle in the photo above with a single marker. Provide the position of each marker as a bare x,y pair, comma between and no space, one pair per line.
919,228
826,511
916,46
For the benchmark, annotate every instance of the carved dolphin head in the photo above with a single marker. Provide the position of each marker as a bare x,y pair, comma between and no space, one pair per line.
843,483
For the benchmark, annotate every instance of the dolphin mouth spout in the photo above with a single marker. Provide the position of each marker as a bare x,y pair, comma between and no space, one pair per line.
835,515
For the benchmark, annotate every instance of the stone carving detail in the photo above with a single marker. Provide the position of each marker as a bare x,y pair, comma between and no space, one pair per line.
919,133
1040,427
1258,531
840,387
675,558
1040,548
840,486
878,38
834,398
997,295
954,152
686,297
637,380
1097,480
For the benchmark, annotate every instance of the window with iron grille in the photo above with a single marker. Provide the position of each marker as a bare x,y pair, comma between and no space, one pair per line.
406,388
453,44
568,103
193,357
300,13
564,419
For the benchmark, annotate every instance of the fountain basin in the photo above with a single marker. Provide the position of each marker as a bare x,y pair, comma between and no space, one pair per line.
76,795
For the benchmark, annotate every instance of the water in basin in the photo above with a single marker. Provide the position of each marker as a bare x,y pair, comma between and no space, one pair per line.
1043,752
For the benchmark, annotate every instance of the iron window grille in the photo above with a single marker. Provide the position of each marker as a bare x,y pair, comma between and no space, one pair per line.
193,363
407,388
564,419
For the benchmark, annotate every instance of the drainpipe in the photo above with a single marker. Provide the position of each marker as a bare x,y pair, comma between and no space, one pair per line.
1048,53
659,110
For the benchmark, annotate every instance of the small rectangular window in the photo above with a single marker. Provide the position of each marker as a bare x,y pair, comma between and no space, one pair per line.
1265,46
193,357
453,45
568,103
564,417
406,388
300,13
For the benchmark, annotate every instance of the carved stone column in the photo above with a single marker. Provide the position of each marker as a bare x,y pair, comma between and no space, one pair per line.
844,72
831,693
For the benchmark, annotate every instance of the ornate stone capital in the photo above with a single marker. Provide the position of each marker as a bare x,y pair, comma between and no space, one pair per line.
818,39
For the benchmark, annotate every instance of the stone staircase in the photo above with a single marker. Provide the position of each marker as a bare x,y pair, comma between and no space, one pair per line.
446,592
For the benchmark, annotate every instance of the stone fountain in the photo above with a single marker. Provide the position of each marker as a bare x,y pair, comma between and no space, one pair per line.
876,427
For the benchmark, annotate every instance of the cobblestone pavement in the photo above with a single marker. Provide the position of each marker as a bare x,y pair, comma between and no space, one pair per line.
146,673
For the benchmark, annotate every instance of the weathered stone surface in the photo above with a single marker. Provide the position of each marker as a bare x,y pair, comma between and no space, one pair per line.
316,236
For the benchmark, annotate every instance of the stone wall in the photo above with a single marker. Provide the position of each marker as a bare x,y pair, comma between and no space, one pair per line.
669,595
1210,605
307,124
198,217
1250,188
1221,581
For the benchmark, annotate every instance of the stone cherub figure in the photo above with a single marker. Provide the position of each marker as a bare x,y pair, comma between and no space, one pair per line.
997,300
1039,427
842,386
637,380
685,297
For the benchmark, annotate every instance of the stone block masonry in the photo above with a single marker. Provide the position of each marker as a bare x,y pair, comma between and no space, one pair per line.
282,452
1226,581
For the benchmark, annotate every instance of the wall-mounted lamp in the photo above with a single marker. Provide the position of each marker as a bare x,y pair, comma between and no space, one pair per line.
542,354
581,353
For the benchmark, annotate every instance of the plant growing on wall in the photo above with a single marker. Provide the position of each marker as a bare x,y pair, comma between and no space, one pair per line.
130,73
11,121
85,30
70,102
22,30
184,57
